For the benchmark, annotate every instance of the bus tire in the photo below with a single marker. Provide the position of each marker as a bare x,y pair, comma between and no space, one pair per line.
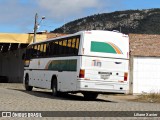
90,95
27,87
54,87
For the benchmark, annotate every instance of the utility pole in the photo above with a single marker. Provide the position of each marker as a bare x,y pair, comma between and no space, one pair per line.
35,28
64,27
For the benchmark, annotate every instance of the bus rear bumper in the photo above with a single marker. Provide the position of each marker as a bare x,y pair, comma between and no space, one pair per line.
102,87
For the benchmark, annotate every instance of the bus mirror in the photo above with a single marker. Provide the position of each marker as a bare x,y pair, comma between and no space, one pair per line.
23,56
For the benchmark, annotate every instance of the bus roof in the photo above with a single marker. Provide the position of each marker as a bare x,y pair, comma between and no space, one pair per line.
78,33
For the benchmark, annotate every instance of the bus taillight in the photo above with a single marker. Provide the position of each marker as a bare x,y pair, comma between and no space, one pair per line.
81,73
125,76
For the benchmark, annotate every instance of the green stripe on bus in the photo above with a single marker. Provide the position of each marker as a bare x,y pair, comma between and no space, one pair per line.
63,65
102,47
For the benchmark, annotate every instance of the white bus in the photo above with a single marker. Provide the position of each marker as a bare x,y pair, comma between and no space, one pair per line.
89,62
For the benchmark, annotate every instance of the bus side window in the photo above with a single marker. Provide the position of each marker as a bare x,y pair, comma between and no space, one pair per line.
31,52
64,47
53,48
74,46
69,44
47,49
73,42
50,49
77,45
44,50
60,47
38,51
34,51
41,50
56,50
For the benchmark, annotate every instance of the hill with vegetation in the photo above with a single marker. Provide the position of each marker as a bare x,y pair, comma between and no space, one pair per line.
130,21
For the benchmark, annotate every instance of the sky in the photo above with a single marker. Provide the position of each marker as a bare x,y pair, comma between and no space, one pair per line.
17,16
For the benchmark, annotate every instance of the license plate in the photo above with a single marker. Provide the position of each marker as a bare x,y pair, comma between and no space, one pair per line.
104,75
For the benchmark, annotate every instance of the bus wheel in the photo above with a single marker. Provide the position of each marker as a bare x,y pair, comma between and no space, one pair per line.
27,87
90,95
54,87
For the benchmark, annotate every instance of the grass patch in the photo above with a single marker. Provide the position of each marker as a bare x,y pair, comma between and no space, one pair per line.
151,98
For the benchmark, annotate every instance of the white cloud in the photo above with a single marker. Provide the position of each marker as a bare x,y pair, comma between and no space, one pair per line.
20,13
60,9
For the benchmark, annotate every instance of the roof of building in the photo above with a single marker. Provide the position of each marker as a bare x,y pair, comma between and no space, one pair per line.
12,41
20,38
144,45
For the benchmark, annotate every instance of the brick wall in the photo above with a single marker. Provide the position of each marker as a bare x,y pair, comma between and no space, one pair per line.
144,45
54,35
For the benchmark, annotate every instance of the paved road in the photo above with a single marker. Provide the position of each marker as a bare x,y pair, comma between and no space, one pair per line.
15,98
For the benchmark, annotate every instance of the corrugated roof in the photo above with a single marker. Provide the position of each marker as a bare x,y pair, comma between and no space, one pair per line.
20,38
144,45
12,41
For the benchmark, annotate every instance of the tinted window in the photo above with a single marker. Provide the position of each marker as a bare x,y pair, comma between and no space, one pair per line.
61,47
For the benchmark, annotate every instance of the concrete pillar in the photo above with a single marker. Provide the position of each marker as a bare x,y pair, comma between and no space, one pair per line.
131,62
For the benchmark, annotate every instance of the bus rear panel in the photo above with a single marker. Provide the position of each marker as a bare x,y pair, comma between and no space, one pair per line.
104,62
